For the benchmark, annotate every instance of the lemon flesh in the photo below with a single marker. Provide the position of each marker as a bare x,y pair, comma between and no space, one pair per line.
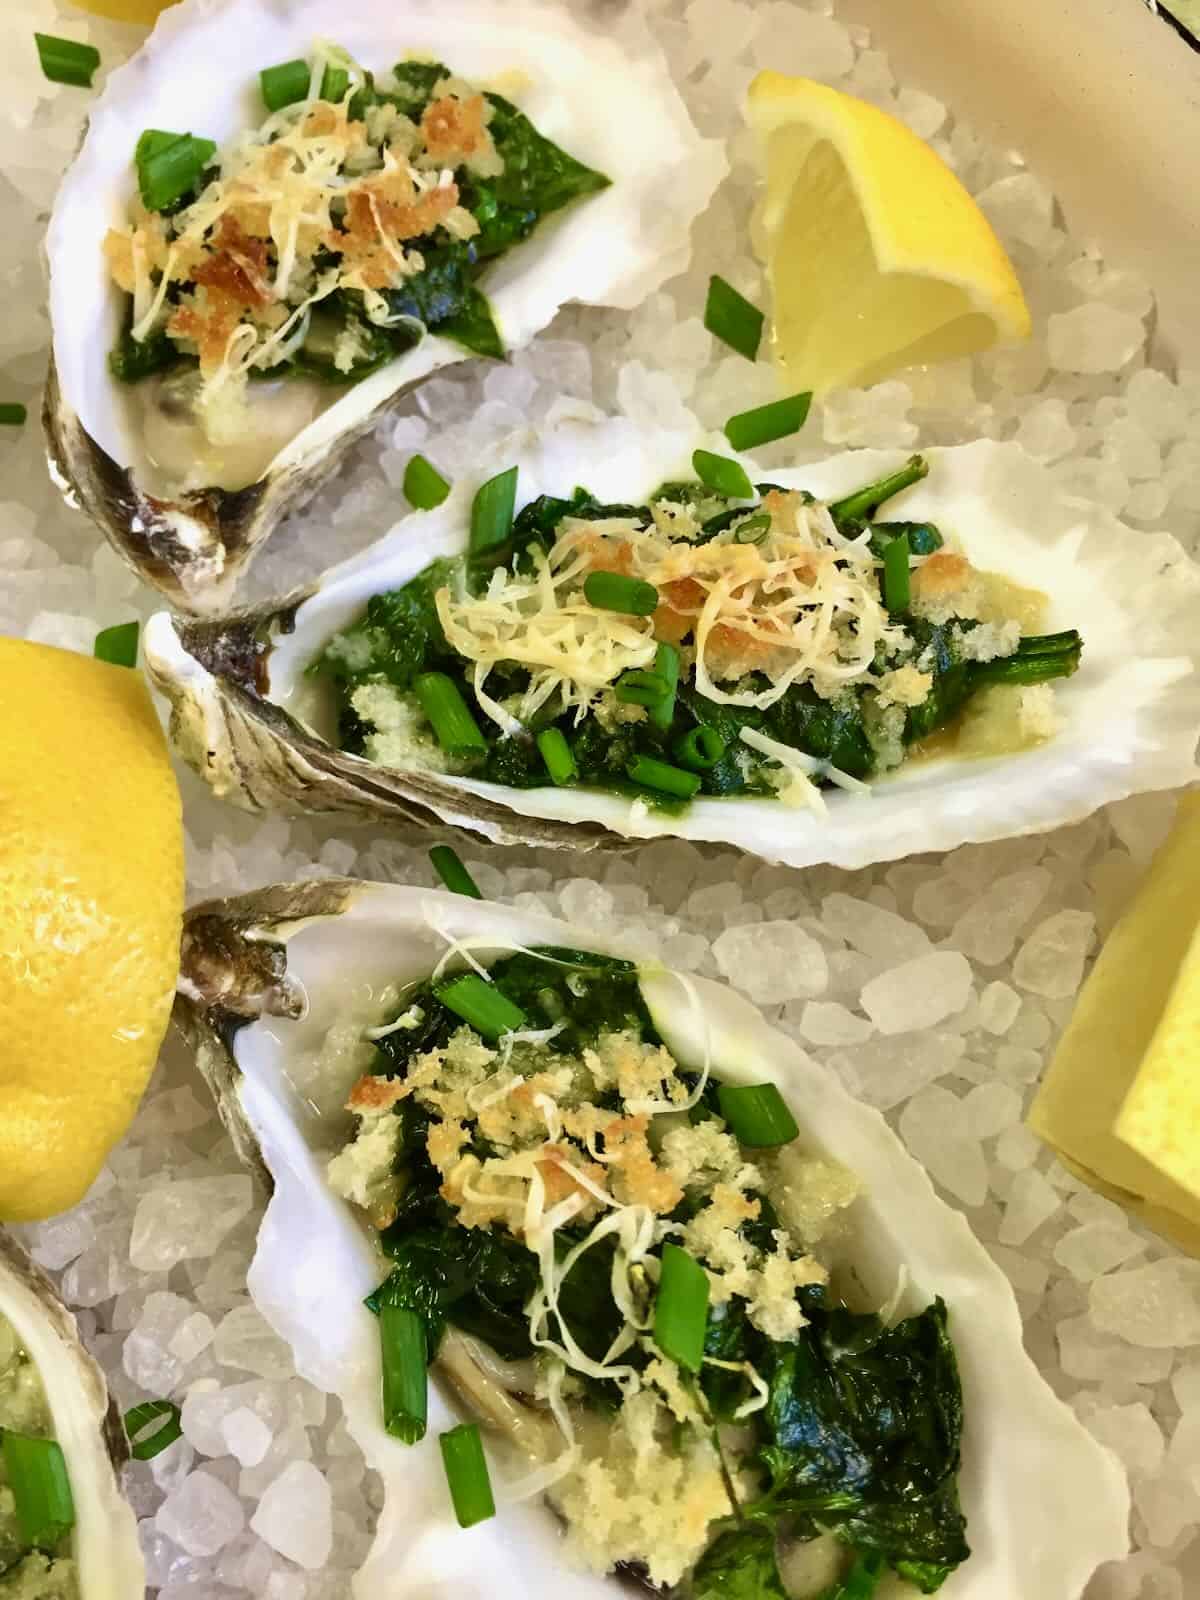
91,907
1121,1100
125,10
877,256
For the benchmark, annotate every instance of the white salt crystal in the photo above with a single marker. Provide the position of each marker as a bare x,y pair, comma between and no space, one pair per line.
295,1516
772,961
1156,1305
1051,960
1183,1453
1130,1432
62,1240
922,113
828,1022
884,1072
147,1356
873,930
935,1127
191,1338
1166,1506
1032,1201
243,1339
201,1515
792,40
987,929
1157,404
941,900
919,994
1094,337
875,418
1045,431
585,902
1094,1356
1146,502
1185,1386
1131,449
1021,208
1031,1030
187,1220
1095,1248
991,1107
246,1435
246,1563
1022,1272
998,1007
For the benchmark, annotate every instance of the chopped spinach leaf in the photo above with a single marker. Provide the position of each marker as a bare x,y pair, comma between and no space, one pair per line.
739,1565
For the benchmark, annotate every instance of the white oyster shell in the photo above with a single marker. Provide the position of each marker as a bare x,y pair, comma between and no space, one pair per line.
244,714
1045,1503
86,1425
588,74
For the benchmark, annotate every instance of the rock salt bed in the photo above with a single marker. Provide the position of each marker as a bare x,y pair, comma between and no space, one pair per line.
1112,1315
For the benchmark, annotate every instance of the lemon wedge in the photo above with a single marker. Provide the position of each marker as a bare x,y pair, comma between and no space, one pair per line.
878,258
125,10
1120,1102
91,909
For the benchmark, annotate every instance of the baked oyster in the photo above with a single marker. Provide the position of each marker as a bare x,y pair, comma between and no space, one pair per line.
1046,648
820,1241
66,1531
283,217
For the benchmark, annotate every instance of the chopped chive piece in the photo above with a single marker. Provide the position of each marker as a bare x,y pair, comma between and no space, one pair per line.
449,868
424,486
748,429
405,1373
723,475
897,584
168,165
67,61
1039,658
636,688
467,1474
492,511
556,753
12,415
612,591
41,1489
137,1420
681,1308
865,502
757,1115
455,728
118,646
666,666
662,776
334,83
285,84
479,1003
753,530
700,749
923,537
731,317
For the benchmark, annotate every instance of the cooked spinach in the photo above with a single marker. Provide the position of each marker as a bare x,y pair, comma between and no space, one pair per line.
739,1565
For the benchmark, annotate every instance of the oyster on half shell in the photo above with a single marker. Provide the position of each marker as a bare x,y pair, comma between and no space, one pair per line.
103,1544
589,77
250,719
277,990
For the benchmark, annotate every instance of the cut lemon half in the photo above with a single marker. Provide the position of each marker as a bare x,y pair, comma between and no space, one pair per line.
125,10
91,910
878,258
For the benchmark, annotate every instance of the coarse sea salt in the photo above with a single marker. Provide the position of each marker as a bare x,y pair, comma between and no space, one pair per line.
158,1266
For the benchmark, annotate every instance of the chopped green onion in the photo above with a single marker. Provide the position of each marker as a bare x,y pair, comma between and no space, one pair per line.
1039,658
67,61
636,688
897,582
405,1373
137,1420
748,429
681,1308
479,1003
424,486
467,1474
757,1115
492,511
865,502
442,702
334,83
753,530
731,317
168,165
612,591
666,666
556,753
449,868
700,748
725,476
662,776
41,1489
12,415
923,537
285,84
118,645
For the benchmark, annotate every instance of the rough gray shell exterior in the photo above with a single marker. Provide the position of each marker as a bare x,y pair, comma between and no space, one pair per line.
254,753
16,1264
